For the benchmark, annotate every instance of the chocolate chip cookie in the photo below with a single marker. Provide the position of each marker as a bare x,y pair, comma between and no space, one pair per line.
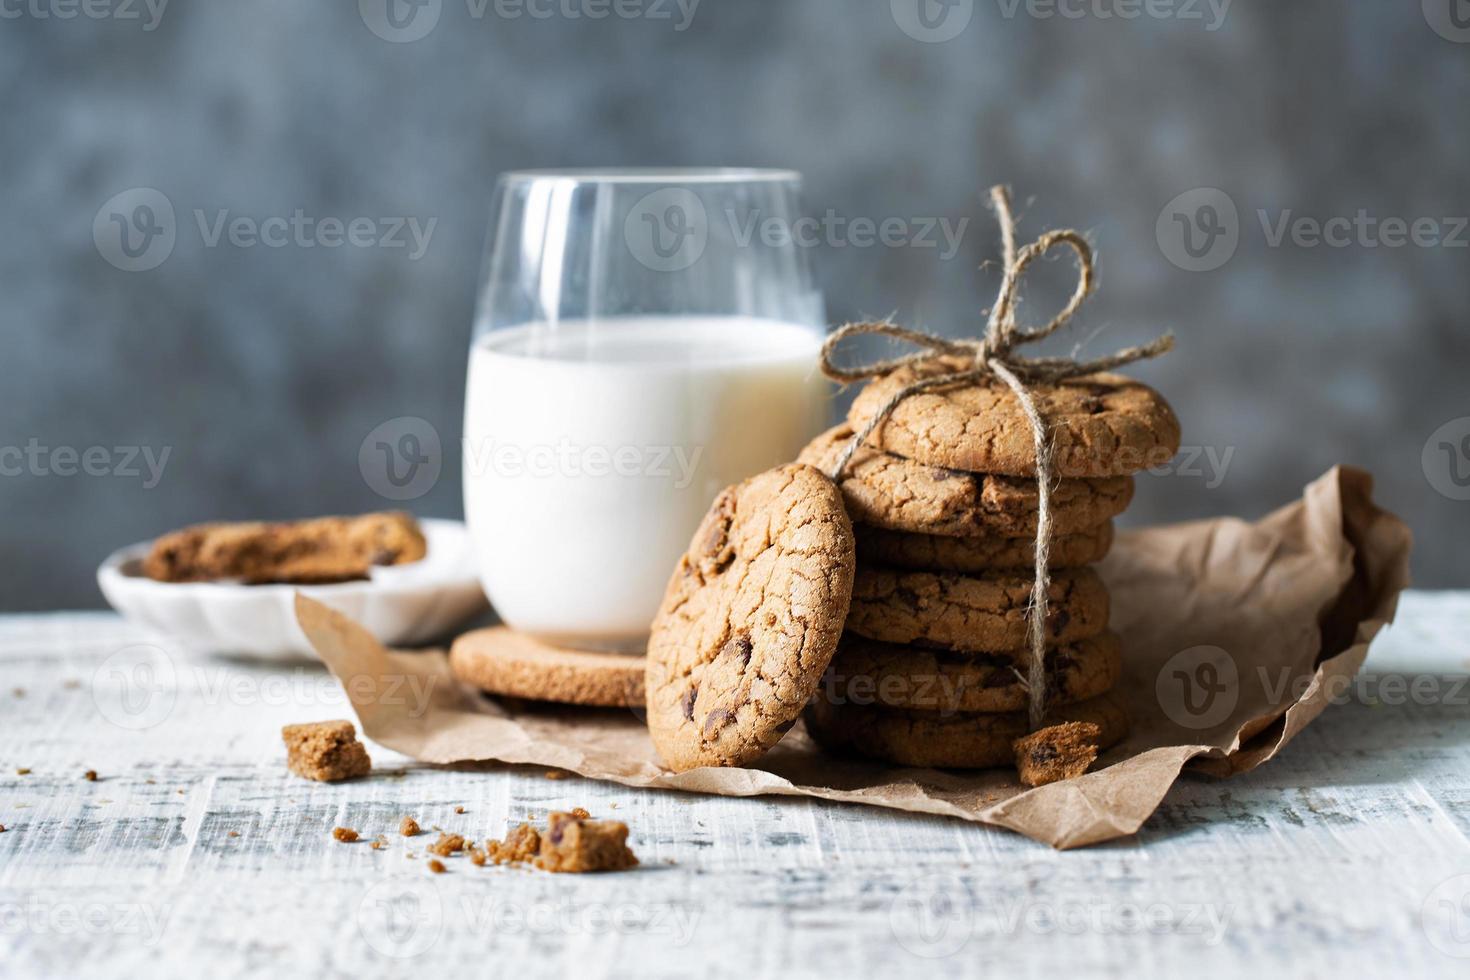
750,620
975,613
1100,425
964,741
498,660
931,552
888,491
319,550
868,672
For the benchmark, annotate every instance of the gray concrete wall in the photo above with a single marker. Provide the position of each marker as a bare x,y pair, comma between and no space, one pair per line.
260,369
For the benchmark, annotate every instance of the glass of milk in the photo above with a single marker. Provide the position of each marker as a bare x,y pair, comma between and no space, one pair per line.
643,339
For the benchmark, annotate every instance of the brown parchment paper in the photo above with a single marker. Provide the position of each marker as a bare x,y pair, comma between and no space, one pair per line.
1235,636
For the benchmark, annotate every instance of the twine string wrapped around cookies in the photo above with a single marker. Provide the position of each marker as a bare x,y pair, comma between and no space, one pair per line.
959,362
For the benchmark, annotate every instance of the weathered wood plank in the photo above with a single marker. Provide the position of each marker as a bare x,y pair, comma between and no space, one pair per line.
195,851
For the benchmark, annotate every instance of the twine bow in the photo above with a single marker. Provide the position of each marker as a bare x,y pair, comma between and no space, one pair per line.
995,356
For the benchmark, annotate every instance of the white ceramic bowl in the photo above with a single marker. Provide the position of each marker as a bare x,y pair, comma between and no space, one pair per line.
402,605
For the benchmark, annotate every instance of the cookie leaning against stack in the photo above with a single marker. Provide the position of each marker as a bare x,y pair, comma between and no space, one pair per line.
932,666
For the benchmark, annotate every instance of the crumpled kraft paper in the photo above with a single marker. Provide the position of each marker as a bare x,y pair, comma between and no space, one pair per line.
1235,636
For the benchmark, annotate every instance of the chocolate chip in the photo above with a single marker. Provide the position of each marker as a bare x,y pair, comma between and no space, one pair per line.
998,678
716,718
1043,753
738,646
1059,622
686,703
715,551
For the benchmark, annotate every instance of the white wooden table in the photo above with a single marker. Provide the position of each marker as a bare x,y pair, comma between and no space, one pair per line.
195,853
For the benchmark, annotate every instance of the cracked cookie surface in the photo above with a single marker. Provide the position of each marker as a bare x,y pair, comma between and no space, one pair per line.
889,491
1100,425
963,741
892,676
931,552
983,613
750,619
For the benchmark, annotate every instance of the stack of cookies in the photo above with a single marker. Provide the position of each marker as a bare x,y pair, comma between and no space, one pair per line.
932,665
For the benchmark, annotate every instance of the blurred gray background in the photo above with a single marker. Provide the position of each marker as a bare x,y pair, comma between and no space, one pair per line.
260,370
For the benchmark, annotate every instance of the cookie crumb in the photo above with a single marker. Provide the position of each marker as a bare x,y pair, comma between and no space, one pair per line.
409,827
23,771
326,751
477,857
233,833
90,775
459,809
344,834
2,828
19,692
580,813
555,774
437,866
577,845
1057,752
447,844
71,684
379,842
520,846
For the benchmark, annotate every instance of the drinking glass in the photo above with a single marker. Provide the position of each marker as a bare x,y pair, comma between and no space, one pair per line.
643,338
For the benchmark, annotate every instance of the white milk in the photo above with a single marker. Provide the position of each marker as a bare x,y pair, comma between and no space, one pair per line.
592,452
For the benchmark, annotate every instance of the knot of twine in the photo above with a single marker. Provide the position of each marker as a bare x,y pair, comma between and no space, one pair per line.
994,355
